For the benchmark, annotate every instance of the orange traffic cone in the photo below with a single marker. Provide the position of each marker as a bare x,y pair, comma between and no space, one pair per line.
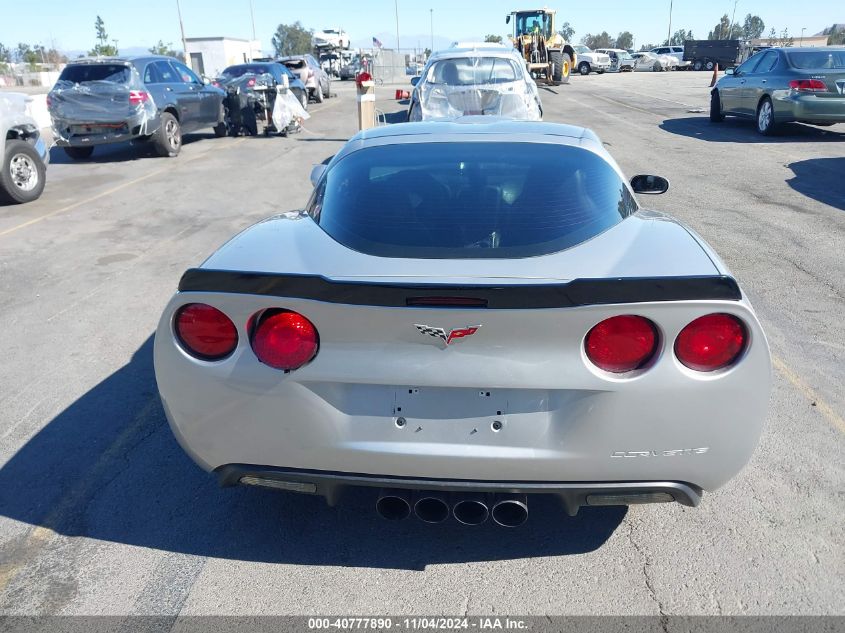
715,75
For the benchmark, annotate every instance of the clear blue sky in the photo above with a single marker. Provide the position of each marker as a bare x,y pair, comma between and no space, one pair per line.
70,23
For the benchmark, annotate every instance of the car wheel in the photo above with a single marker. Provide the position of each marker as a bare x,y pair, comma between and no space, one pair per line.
318,94
697,65
716,115
303,99
167,139
766,117
709,65
79,153
657,67
328,88
23,175
584,68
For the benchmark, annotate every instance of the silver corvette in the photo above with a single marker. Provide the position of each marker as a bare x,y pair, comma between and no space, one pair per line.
464,315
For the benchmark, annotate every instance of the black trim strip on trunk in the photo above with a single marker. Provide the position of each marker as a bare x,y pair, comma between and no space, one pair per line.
578,292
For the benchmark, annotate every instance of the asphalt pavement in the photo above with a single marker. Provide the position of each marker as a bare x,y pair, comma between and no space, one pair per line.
102,513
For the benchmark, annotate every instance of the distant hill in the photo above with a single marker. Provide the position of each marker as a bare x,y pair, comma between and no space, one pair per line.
129,51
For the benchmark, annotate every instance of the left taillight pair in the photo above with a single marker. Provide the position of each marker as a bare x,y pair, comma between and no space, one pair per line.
628,342
279,338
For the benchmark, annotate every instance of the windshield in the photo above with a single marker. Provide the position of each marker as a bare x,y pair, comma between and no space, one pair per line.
238,71
817,59
534,21
469,199
469,71
582,49
81,73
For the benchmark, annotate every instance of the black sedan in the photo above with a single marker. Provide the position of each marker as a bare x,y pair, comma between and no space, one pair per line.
275,69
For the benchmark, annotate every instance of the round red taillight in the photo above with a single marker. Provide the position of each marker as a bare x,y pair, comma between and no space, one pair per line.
205,332
711,342
621,343
284,340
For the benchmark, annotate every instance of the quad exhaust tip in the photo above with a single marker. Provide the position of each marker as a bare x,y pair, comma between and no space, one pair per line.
394,505
510,510
431,508
471,510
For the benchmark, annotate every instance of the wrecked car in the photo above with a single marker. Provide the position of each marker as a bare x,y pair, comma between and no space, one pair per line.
109,100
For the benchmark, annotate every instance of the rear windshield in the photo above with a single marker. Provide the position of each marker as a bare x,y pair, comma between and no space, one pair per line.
295,63
237,71
469,71
817,59
80,73
469,200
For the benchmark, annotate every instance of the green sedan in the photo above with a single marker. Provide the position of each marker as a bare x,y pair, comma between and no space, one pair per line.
778,85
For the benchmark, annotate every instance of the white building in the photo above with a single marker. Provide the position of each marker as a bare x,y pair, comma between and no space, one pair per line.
210,55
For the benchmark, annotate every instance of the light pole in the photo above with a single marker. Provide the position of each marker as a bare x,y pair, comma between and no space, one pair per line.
801,42
669,37
733,19
432,30
182,29
396,9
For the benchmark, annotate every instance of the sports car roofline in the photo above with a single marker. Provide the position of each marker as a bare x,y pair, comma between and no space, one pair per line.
578,292
573,495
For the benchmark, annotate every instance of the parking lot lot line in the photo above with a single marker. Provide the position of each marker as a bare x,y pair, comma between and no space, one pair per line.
108,192
808,392
626,105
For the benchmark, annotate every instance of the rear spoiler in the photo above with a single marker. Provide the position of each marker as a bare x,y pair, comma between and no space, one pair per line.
578,292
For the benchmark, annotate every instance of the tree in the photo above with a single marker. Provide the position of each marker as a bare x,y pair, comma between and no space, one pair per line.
625,40
602,40
102,47
646,47
753,27
161,48
724,30
5,54
786,39
566,31
679,37
495,39
835,35
773,37
292,39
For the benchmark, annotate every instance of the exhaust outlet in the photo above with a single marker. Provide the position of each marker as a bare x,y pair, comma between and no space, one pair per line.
510,510
393,504
431,507
471,509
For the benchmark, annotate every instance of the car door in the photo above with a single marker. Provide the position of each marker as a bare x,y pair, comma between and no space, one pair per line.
176,93
757,82
210,97
191,95
731,86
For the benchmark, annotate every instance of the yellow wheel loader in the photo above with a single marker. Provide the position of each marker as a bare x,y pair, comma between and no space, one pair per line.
545,51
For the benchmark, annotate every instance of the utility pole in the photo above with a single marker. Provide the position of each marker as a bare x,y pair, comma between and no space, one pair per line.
669,37
252,15
432,30
182,29
801,42
396,7
733,20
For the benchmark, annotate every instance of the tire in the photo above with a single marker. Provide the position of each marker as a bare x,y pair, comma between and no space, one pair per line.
600,72
328,89
716,115
318,94
220,130
697,65
565,68
766,117
79,153
303,99
584,68
557,66
23,173
708,65
167,139
657,67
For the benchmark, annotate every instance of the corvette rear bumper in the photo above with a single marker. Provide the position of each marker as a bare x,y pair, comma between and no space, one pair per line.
573,495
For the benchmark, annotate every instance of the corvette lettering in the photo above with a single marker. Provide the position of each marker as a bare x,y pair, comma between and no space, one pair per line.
670,453
450,336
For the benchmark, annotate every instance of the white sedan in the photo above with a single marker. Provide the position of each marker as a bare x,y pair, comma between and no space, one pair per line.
649,62
475,81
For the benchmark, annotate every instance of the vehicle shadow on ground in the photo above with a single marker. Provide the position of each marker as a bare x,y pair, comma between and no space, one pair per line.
400,116
108,468
733,130
120,152
820,179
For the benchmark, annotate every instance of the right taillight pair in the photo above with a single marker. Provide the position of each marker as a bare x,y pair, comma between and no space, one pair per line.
279,338
627,342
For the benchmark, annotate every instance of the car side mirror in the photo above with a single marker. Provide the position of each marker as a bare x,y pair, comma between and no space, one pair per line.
649,184
415,80
317,173
730,71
